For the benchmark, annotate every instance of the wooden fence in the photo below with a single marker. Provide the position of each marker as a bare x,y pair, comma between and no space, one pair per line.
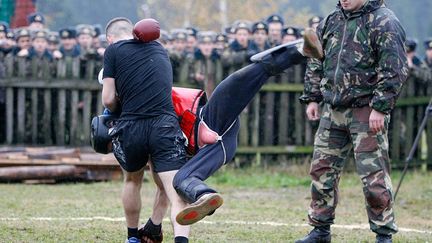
53,103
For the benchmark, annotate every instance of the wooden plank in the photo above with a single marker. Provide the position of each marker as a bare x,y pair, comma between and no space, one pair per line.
269,118
21,116
9,115
47,117
86,116
10,65
60,133
76,68
58,84
299,122
61,68
244,133
22,67
34,115
90,67
99,105
255,123
74,118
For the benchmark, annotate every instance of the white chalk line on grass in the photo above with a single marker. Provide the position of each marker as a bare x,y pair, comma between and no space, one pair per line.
236,222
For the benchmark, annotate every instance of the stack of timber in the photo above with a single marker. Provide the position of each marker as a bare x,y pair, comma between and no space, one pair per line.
54,164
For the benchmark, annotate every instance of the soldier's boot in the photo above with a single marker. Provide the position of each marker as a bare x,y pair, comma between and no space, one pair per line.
203,200
320,234
383,238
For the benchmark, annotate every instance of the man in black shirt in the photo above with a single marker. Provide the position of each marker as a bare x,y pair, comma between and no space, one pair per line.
137,81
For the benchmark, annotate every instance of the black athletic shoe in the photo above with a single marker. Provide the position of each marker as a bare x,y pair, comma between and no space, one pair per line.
317,235
383,238
150,233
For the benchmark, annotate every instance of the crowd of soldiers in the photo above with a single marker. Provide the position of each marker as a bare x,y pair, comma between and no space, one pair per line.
199,58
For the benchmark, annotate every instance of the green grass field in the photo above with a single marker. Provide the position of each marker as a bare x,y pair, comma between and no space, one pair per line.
260,206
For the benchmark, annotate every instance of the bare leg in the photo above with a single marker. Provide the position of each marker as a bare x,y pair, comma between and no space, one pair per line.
131,197
161,202
177,204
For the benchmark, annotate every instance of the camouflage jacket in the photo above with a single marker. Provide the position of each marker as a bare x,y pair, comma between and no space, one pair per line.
364,59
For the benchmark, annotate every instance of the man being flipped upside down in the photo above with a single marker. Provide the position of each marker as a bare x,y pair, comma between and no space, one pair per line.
212,127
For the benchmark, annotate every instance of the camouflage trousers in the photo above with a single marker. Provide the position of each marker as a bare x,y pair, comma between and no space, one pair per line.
341,130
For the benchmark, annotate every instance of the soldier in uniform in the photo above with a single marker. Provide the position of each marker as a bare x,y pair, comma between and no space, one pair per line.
39,47
191,42
260,35
428,56
275,24
23,41
178,55
221,43
53,41
241,49
68,44
85,42
290,34
358,80
207,66
418,70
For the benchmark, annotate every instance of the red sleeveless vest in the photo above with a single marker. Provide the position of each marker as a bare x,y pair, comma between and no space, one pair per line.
186,102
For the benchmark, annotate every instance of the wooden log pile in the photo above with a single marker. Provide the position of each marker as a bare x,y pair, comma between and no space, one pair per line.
53,164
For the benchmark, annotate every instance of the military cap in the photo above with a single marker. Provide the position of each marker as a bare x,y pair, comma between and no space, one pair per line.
315,20
36,17
192,31
22,33
229,30
275,18
165,36
179,34
221,38
10,35
301,32
53,37
67,33
259,26
97,30
242,25
206,37
428,44
290,31
40,34
410,45
84,29
4,27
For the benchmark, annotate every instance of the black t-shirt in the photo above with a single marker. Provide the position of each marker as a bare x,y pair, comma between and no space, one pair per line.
143,78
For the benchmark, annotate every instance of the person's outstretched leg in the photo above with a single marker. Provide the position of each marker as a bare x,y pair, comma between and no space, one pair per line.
235,92
131,198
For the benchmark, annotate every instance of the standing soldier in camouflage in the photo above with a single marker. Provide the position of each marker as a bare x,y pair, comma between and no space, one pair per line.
358,79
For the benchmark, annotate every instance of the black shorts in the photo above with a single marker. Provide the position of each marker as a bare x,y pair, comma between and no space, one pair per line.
159,139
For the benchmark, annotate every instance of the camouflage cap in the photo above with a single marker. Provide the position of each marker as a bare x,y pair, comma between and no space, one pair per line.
229,30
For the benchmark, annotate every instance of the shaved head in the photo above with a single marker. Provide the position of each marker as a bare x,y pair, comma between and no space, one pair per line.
118,28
